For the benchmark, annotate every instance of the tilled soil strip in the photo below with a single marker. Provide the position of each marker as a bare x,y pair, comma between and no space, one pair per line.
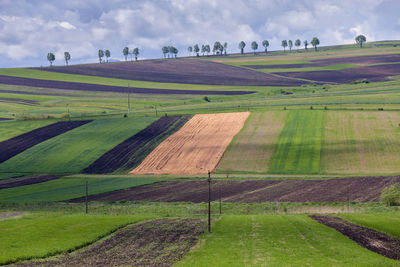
368,238
27,180
130,153
20,143
160,242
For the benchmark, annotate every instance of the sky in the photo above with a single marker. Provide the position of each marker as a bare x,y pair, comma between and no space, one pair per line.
29,29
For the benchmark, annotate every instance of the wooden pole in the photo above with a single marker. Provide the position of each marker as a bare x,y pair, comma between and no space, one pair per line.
209,202
86,198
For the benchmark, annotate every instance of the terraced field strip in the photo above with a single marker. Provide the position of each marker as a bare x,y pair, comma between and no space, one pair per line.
63,189
40,235
75,150
26,180
18,144
14,128
135,245
361,142
278,240
299,145
130,153
252,149
196,148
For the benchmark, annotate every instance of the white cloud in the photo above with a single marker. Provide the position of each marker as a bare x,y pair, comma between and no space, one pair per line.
67,25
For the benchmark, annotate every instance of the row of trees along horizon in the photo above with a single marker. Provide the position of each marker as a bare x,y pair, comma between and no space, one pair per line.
218,49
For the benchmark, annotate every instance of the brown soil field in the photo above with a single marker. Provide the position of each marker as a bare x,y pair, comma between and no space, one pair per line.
161,242
364,189
131,152
26,180
196,148
190,71
368,238
108,88
374,73
20,143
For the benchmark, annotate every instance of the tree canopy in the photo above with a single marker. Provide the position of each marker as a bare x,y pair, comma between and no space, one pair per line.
51,57
107,54
67,57
100,53
290,45
242,45
315,42
254,46
196,49
284,45
165,50
135,52
305,45
125,52
265,43
297,43
360,39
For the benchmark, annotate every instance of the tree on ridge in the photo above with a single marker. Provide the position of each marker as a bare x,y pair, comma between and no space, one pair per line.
67,57
265,43
242,45
125,52
254,46
360,39
51,57
315,42
284,45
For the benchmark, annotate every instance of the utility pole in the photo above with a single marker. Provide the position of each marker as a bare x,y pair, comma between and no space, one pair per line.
86,198
209,202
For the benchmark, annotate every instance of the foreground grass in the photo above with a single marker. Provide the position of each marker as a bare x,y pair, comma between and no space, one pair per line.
278,240
45,234
68,188
76,149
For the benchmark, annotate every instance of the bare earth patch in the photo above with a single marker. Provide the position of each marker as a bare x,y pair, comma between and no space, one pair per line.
196,148
371,239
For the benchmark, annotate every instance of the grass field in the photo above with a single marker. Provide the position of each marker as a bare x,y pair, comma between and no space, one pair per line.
252,149
299,145
68,188
11,129
45,234
73,151
278,240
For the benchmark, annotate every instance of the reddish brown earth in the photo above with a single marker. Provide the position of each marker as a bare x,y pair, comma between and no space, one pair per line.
333,190
19,101
372,73
107,88
368,238
160,242
20,143
27,180
132,151
190,71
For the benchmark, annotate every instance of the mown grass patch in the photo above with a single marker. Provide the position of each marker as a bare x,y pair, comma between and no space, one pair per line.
299,145
278,240
74,150
41,235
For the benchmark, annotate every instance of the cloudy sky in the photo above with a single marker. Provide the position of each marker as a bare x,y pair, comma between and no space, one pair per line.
29,29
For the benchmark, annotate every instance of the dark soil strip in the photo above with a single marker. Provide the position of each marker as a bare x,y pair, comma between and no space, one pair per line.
160,242
368,238
19,101
107,88
6,119
27,180
334,190
132,152
20,143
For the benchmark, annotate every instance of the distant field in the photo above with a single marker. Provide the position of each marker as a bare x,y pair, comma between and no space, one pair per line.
75,150
278,240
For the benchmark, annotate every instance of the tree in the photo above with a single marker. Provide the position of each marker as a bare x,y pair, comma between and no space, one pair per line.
221,49
108,54
207,49
305,45
284,44
100,54
297,43
265,43
165,50
174,50
315,42
67,57
196,49
242,45
190,49
218,47
135,52
290,45
254,46
125,52
391,195
225,47
51,57
203,49
360,39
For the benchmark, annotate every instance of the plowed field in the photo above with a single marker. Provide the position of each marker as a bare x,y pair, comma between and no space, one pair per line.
196,148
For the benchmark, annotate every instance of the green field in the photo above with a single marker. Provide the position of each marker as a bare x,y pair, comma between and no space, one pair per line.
278,240
69,188
11,129
44,234
74,150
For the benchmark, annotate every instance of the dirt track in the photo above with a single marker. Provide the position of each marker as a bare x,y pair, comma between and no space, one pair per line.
371,239
333,190
196,148
156,243
26,180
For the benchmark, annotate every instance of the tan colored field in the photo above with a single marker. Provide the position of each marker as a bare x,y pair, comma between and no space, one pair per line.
361,143
196,148
252,149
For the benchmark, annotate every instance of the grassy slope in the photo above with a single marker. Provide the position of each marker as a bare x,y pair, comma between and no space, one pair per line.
68,188
45,234
253,147
299,145
11,129
74,150
278,240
